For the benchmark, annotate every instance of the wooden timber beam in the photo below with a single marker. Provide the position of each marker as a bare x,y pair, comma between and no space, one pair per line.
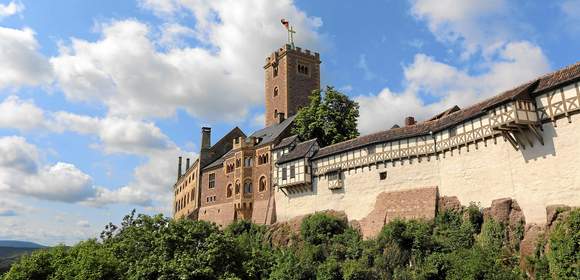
525,136
512,141
537,133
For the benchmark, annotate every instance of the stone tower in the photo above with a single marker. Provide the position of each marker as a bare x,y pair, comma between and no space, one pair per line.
291,75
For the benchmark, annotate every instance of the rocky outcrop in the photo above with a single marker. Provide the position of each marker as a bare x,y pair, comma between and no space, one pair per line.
408,204
448,203
508,212
288,232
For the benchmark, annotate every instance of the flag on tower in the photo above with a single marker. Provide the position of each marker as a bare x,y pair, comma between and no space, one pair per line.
285,23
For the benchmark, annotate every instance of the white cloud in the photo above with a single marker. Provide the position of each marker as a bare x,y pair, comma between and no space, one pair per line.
22,64
10,9
518,62
477,25
20,114
217,80
173,34
22,172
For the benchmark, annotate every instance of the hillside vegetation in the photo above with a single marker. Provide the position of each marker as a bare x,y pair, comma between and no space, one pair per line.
456,245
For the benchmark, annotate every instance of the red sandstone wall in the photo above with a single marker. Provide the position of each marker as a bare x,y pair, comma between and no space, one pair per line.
409,204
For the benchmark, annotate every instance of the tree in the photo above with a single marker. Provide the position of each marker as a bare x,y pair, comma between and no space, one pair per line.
331,117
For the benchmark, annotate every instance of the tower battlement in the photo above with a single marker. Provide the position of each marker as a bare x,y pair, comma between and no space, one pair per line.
305,53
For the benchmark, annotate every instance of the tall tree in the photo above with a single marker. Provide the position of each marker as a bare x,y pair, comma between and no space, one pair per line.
331,117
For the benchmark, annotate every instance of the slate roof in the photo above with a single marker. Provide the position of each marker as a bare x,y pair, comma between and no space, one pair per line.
220,161
222,146
542,84
272,133
286,142
266,135
299,151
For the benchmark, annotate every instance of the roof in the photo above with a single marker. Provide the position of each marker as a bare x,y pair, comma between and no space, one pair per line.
219,162
300,151
448,119
271,133
222,146
286,142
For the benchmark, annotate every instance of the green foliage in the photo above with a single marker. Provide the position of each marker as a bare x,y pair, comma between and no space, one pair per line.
319,228
564,253
145,247
331,117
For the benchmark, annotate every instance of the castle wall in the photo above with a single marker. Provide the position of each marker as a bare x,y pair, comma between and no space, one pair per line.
535,177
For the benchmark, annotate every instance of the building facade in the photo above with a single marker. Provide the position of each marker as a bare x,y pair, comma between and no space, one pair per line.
522,143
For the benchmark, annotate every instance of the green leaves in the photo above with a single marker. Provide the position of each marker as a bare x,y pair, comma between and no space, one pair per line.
331,117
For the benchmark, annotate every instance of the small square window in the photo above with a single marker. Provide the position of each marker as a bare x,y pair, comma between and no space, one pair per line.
453,131
383,175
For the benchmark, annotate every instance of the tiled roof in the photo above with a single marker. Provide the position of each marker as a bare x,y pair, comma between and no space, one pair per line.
286,141
537,86
299,151
272,133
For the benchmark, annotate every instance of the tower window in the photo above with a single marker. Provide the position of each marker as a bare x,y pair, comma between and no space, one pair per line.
302,69
276,91
248,187
275,70
275,113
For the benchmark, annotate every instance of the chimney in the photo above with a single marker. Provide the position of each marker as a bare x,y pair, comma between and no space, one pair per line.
205,137
186,164
410,121
179,168
280,117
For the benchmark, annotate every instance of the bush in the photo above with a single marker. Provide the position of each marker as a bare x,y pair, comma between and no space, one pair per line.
564,252
320,228
145,247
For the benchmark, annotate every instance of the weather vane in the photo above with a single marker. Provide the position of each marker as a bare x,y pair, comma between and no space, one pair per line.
290,32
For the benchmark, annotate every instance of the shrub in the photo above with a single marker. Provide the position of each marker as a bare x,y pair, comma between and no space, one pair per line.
319,228
564,252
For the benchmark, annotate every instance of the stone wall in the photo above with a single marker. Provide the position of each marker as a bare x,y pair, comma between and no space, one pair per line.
536,177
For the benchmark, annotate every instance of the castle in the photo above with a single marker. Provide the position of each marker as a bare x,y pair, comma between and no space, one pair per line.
522,143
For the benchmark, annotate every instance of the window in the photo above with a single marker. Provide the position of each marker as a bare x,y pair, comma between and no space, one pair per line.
276,91
306,170
248,161
383,175
302,69
230,168
237,187
238,162
211,180
275,70
275,113
229,191
262,184
191,195
371,150
284,173
453,131
263,159
334,176
292,171
248,186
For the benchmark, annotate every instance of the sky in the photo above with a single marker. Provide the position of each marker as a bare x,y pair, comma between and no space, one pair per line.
99,98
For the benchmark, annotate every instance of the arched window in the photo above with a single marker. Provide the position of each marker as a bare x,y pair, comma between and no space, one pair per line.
275,113
229,191
237,187
262,184
276,91
248,186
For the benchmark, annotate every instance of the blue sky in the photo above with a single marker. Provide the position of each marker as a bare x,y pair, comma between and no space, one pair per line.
98,98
